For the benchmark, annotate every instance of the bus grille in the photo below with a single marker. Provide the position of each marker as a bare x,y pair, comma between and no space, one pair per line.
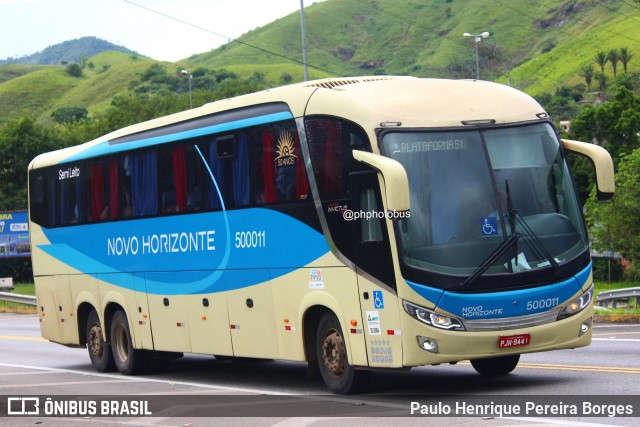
505,323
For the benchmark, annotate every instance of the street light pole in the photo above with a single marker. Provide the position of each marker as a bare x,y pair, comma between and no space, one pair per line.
186,73
304,42
478,39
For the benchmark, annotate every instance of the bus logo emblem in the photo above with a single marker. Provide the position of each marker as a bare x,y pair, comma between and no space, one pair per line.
285,150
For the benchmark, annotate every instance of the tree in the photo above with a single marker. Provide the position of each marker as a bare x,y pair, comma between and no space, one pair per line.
601,60
74,70
614,124
625,57
587,72
69,114
615,226
20,142
613,56
602,80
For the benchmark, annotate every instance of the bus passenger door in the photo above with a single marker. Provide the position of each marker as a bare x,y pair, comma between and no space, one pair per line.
376,277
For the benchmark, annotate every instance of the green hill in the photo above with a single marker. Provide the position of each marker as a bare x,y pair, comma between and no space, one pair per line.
37,91
70,51
540,45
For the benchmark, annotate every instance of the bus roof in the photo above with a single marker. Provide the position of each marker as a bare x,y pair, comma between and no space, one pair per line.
407,102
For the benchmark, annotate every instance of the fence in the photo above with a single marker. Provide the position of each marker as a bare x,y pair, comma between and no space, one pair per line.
619,295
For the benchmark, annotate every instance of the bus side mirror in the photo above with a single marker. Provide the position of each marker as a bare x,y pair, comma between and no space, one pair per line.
396,183
602,163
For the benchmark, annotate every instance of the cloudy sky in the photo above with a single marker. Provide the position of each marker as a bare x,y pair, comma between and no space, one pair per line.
28,26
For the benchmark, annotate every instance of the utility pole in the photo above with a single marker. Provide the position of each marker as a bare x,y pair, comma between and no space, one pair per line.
304,42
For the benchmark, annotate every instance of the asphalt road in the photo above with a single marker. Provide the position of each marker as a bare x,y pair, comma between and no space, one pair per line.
275,393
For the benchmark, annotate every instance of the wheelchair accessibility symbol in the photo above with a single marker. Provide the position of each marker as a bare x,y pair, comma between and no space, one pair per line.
489,226
378,302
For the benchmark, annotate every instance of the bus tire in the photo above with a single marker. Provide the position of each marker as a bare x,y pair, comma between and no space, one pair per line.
128,360
495,366
338,375
99,349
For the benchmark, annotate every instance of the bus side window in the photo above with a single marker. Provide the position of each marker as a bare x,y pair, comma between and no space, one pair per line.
265,177
325,145
281,173
228,158
69,197
101,190
126,209
143,172
41,193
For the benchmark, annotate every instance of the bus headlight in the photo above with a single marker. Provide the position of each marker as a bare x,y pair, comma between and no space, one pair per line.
577,305
432,318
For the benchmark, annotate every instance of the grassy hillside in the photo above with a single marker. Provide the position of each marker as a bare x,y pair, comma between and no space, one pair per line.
37,91
540,44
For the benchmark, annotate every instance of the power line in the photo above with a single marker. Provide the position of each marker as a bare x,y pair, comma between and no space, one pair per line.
458,40
267,51
597,26
617,11
630,4
565,32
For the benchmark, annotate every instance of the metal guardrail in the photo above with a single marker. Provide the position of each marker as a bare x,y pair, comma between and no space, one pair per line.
619,295
20,299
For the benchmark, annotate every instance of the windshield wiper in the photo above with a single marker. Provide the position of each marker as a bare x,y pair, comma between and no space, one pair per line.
491,259
537,247
535,244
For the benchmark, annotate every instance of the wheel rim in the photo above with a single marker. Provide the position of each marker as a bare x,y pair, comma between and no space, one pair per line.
121,344
333,353
95,340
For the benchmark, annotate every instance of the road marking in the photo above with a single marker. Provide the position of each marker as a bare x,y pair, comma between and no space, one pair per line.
618,333
65,383
19,338
4,374
555,422
152,380
613,369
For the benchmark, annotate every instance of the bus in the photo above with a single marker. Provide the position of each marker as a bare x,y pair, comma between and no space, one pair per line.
356,224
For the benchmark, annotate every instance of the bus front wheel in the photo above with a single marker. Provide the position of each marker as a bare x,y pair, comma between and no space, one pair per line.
99,350
128,360
338,375
494,366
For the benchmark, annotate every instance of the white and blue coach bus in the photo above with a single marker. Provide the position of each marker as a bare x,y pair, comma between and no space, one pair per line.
355,224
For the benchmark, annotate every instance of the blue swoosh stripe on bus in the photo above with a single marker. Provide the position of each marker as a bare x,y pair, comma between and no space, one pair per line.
504,304
104,147
204,245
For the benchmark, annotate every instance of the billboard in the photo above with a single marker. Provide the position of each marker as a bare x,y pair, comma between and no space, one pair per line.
14,234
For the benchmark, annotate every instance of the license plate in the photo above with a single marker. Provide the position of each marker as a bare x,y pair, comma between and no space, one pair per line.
514,341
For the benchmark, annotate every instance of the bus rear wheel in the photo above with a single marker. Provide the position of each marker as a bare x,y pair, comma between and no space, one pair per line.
128,360
495,366
338,375
99,349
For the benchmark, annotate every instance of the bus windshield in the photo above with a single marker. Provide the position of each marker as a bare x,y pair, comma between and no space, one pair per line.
498,196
